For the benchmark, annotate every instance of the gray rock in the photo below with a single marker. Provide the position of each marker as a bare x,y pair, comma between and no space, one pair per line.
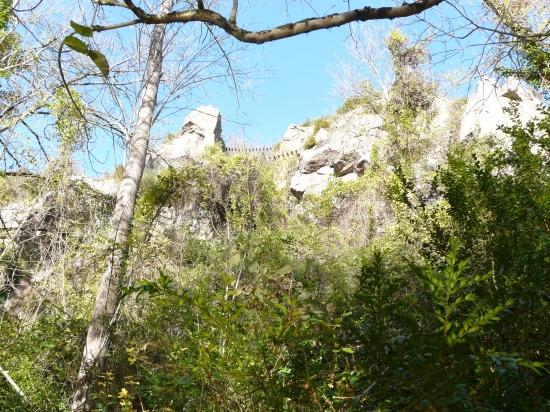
199,222
294,138
347,163
202,128
485,110
326,170
106,185
313,183
315,158
350,177
13,215
342,149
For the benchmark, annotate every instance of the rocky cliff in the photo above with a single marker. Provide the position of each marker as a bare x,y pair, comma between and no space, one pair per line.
340,148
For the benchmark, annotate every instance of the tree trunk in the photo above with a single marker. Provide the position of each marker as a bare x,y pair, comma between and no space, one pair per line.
108,294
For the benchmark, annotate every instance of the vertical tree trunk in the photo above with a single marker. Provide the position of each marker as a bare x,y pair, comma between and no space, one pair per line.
108,294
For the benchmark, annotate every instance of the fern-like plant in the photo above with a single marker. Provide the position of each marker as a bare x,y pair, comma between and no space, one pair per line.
453,294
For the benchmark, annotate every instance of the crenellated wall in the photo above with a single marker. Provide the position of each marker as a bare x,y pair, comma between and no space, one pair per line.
269,153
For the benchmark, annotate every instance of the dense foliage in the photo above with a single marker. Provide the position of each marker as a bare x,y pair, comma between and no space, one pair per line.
447,310
396,291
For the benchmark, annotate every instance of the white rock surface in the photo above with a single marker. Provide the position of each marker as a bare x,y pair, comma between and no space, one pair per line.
294,137
313,183
106,185
485,110
202,128
12,215
351,177
341,150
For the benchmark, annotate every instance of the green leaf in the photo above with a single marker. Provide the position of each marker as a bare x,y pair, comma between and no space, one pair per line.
100,61
347,350
254,267
235,260
76,44
284,270
82,30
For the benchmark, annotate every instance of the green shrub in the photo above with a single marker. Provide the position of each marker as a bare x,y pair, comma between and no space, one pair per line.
318,124
368,99
310,142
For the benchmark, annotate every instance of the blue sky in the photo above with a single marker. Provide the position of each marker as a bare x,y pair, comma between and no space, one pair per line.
291,83
299,87
294,82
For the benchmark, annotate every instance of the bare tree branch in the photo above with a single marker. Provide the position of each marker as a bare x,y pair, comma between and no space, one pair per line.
275,33
110,3
233,17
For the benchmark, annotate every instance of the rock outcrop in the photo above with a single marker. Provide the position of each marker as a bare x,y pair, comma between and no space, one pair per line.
202,128
486,109
105,185
342,150
295,138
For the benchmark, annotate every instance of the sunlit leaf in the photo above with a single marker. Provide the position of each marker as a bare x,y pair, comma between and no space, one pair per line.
100,61
82,30
76,44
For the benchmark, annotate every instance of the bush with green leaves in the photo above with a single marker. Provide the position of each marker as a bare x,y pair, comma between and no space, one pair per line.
318,124
494,200
42,358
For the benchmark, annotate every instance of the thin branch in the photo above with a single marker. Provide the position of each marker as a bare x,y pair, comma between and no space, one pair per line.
109,3
233,17
37,139
12,383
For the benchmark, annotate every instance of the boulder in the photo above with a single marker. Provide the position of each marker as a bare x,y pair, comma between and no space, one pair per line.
347,163
313,183
315,158
350,177
342,149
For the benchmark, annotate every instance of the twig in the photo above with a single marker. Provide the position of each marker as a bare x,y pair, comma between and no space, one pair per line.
13,384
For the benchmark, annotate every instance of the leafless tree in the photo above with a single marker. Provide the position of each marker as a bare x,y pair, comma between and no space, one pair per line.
107,296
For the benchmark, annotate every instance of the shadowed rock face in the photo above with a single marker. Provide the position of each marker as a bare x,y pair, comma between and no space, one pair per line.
486,109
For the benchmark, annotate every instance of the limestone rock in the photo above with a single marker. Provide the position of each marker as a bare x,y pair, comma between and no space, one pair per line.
350,177
326,171
201,223
346,163
485,110
315,158
13,215
202,128
106,185
342,149
295,137
313,183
